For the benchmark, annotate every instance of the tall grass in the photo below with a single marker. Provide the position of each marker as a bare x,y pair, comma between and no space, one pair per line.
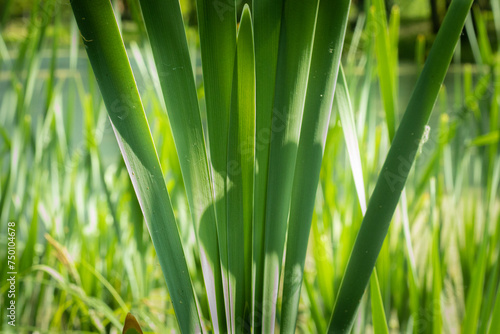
232,176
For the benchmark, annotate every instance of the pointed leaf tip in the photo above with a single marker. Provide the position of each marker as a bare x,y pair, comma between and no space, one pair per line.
131,325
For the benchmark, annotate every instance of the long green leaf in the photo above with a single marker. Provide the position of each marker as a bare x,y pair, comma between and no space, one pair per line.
343,104
378,313
325,61
495,316
395,170
495,8
385,59
316,315
482,35
295,48
475,294
240,180
170,50
267,22
437,281
217,28
112,70
27,257
474,44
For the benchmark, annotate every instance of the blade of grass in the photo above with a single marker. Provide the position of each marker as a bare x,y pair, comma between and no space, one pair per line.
486,139
5,57
166,33
267,22
318,318
295,48
420,52
475,294
378,313
385,58
471,34
364,99
109,61
482,35
394,174
356,37
27,257
6,11
437,281
217,29
346,113
495,316
414,300
16,148
394,23
79,296
73,62
325,61
493,149
490,290
495,8
53,61
107,285
343,104
322,258
240,180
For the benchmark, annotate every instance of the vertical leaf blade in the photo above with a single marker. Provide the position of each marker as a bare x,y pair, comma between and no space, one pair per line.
267,22
378,313
110,64
295,48
325,62
166,33
385,58
240,180
217,28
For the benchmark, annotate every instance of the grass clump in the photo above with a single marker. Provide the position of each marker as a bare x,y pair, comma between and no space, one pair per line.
277,168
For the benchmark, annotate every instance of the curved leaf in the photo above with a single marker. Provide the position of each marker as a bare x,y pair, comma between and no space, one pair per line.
395,170
111,67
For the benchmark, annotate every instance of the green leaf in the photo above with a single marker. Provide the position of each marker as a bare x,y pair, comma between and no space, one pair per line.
343,104
295,48
325,61
27,257
240,177
414,298
170,50
112,70
217,29
495,316
475,291
486,139
471,36
267,22
495,8
344,107
482,34
318,318
437,280
378,313
385,61
394,173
